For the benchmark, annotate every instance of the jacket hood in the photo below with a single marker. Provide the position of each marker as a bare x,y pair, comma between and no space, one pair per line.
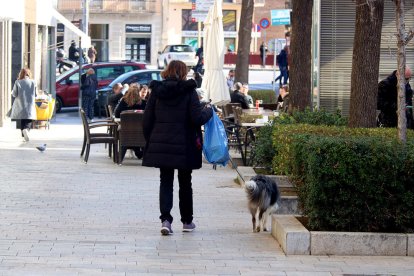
171,89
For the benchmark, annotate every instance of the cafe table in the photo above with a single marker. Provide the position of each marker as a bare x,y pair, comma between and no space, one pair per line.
252,115
251,120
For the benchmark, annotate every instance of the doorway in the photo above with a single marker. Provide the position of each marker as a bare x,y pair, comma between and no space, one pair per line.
138,48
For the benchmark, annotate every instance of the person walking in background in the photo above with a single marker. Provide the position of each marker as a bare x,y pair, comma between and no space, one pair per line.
200,54
23,109
263,51
73,52
89,87
198,78
172,128
387,100
230,80
282,61
92,54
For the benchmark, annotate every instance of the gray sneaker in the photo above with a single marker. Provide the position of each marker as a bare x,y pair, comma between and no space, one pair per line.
166,228
25,135
188,227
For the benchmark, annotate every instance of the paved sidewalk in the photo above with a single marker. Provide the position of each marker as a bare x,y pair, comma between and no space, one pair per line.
59,216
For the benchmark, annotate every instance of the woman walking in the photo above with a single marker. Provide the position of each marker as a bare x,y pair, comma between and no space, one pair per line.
172,128
24,93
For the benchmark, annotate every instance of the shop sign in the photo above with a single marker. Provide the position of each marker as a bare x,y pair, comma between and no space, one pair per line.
280,17
137,28
60,28
204,5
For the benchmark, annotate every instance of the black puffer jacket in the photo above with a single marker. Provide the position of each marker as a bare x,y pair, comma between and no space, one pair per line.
172,125
387,101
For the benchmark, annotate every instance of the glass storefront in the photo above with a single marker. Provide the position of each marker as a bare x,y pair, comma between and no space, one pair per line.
138,48
99,38
138,42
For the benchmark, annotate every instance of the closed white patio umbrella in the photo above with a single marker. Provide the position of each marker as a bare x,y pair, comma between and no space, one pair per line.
214,81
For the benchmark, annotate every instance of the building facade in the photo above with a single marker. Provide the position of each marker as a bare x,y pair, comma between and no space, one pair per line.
262,10
332,47
138,30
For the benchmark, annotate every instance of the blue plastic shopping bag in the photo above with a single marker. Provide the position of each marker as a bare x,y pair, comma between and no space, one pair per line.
215,142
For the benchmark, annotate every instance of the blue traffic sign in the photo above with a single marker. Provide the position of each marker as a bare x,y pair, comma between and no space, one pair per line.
264,23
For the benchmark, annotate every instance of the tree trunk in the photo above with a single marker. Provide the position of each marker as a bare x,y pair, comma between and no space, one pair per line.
365,63
300,83
245,37
401,42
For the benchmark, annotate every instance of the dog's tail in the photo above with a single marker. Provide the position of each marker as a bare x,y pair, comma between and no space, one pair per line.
251,189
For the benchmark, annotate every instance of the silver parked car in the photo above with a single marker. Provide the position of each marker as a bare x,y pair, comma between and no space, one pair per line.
182,52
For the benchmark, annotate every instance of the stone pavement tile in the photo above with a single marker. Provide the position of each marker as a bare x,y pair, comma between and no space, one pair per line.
306,273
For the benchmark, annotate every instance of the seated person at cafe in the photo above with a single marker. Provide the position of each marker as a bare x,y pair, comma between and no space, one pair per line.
143,92
237,96
283,99
114,98
246,94
130,101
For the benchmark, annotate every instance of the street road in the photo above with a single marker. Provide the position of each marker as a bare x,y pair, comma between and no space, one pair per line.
259,79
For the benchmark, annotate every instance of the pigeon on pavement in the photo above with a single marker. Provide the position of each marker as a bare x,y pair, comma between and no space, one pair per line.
41,148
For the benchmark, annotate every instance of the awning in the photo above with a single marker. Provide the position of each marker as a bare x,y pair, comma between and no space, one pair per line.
86,40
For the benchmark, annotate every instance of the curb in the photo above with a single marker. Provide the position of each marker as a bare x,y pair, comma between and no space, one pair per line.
295,239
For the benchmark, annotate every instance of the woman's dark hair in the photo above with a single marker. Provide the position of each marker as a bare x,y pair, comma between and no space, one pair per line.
176,69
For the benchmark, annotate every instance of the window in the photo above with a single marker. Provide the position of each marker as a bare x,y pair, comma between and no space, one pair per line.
112,72
187,23
74,78
181,48
229,20
143,78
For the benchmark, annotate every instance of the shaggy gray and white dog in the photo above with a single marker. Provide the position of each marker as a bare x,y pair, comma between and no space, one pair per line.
262,195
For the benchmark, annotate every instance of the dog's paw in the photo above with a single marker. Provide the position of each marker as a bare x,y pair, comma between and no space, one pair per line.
265,229
257,229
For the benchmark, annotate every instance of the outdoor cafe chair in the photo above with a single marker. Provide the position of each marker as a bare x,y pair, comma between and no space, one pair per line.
97,137
245,136
228,110
130,133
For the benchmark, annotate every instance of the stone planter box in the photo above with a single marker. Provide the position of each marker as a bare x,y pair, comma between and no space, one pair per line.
295,239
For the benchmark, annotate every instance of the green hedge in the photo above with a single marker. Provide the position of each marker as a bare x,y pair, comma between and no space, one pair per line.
355,183
267,96
283,136
266,150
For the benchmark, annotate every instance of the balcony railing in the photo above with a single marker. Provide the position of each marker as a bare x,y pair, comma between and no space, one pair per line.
109,6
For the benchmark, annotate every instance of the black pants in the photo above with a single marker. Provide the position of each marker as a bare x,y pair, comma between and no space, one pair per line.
185,194
25,124
88,106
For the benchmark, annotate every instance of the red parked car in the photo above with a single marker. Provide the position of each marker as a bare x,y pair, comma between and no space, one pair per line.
67,84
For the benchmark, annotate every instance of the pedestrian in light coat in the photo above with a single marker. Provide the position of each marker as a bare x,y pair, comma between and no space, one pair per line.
23,109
